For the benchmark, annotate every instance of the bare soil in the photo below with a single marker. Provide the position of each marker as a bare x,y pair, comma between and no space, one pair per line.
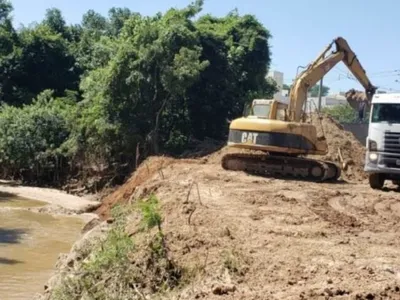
247,237
250,237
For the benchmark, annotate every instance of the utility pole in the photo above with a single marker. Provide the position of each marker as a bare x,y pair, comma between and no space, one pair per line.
320,90
305,102
320,94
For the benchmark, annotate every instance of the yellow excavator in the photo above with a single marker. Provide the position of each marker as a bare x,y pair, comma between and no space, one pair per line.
279,130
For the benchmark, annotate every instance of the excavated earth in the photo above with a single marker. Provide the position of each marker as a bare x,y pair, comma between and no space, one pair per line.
252,237
273,239
343,147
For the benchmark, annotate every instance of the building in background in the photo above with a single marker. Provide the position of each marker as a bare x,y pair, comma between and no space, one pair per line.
312,102
326,101
278,77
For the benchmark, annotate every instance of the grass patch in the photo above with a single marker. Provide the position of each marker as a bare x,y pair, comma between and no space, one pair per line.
151,216
234,262
122,267
112,253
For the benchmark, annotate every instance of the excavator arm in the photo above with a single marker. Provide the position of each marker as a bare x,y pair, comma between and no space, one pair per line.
321,66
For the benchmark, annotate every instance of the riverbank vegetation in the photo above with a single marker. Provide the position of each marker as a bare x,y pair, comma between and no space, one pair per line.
85,102
131,261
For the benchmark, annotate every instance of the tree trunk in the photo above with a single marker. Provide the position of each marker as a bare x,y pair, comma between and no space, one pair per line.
156,147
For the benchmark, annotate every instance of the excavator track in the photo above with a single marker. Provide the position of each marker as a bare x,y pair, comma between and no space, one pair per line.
282,166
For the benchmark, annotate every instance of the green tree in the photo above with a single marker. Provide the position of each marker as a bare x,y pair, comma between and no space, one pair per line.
158,59
5,9
42,61
121,81
8,36
117,18
31,138
93,21
314,91
184,79
238,51
343,113
55,21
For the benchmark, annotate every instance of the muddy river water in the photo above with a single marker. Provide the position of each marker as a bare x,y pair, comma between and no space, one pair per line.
30,244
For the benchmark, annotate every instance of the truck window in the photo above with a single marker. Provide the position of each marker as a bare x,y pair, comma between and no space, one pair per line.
385,112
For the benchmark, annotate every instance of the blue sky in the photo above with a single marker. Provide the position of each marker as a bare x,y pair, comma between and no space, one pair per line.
300,30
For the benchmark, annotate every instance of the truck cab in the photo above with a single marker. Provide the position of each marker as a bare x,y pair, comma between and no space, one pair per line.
382,161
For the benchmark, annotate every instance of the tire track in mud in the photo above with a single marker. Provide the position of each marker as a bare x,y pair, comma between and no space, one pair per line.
388,208
323,208
350,207
372,211
317,203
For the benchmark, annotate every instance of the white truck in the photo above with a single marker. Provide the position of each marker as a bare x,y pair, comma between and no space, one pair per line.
382,161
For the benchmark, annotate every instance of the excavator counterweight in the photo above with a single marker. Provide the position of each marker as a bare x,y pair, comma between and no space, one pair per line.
278,130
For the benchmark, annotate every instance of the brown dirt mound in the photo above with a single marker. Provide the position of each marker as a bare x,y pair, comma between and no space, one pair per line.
148,168
352,151
245,237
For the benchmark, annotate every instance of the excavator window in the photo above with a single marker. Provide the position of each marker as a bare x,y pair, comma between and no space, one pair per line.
261,110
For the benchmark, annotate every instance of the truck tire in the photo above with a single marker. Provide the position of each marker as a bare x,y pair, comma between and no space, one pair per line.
376,181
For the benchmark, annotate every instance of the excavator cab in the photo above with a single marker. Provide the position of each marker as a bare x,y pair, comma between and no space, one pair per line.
267,109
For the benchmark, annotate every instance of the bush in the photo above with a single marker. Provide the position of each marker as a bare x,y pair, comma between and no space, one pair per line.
32,138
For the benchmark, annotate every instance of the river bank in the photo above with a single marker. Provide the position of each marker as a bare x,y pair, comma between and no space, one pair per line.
57,202
38,225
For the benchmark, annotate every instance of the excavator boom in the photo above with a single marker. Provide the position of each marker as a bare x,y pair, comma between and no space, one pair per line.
319,68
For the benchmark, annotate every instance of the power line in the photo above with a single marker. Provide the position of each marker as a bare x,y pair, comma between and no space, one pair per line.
383,72
343,75
386,76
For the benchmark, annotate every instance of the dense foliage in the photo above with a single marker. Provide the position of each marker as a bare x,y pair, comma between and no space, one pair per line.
86,96
345,114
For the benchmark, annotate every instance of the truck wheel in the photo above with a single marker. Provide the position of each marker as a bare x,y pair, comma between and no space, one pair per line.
376,181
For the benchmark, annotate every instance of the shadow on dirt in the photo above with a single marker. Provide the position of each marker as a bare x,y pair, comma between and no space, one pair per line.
6,261
391,189
5,196
11,236
9,183
298,179
199,149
